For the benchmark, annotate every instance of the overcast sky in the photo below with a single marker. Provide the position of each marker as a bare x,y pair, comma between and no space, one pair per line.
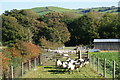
71,4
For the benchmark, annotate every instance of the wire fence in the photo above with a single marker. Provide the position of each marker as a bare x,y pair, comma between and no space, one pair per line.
23,68
104,68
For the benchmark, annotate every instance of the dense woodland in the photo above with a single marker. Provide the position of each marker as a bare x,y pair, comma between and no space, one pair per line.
26,33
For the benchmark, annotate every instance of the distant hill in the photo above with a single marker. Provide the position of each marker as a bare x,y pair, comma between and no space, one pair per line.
100,9
45,10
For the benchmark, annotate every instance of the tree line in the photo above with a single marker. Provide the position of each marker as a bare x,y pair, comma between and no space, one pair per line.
58,28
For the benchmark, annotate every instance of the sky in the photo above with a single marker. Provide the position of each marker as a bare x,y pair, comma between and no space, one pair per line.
70,4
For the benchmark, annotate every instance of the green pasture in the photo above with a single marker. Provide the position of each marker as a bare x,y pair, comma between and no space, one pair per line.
110,57
54,72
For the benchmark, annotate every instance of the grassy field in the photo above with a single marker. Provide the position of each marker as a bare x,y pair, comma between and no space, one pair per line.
110,57
54,72
45,10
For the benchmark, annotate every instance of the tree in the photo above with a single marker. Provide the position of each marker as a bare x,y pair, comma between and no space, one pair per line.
83,30
108,26
14,31
55,21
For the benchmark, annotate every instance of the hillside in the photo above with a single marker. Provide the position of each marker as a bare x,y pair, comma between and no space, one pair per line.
100,9
45,10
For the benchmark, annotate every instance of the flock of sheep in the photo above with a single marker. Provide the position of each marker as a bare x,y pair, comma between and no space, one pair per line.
71,64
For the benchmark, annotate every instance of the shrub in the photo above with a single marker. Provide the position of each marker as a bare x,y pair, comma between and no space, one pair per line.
28,50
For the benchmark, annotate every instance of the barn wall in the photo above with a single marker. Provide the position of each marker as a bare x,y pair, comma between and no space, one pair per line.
107,45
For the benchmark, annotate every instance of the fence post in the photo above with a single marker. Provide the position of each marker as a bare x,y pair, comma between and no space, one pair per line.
79,55
22,69
93,62
12,76
90,60
35,62
98,64
88,55
76,52
104,67
113,70
29,64
40,62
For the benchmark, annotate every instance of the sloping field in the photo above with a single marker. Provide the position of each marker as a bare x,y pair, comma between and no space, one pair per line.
45,10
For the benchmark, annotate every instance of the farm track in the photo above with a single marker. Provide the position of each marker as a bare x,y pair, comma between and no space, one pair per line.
49,70
54,72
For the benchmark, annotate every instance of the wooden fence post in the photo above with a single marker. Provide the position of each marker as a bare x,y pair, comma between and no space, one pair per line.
77,52
79,55
113,70
98,65
12,76
94,63
35,62
22,69
40,62
90,60
104,67
29,64
88,56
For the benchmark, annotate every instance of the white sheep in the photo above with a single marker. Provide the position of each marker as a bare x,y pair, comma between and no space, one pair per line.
59,63
71,66
68,59
64,64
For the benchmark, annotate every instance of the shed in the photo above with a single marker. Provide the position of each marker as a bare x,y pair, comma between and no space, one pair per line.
107,44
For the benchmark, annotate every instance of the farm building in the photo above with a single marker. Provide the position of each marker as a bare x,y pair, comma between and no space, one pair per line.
107,44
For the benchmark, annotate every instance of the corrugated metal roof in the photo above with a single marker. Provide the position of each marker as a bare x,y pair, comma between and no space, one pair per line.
106,40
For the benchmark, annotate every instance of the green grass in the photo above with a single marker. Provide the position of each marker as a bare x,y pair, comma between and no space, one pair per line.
110,57
54,72
45,10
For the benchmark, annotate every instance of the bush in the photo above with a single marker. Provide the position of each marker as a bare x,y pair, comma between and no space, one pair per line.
28,50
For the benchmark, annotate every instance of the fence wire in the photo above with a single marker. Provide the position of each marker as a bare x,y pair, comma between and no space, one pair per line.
103,67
